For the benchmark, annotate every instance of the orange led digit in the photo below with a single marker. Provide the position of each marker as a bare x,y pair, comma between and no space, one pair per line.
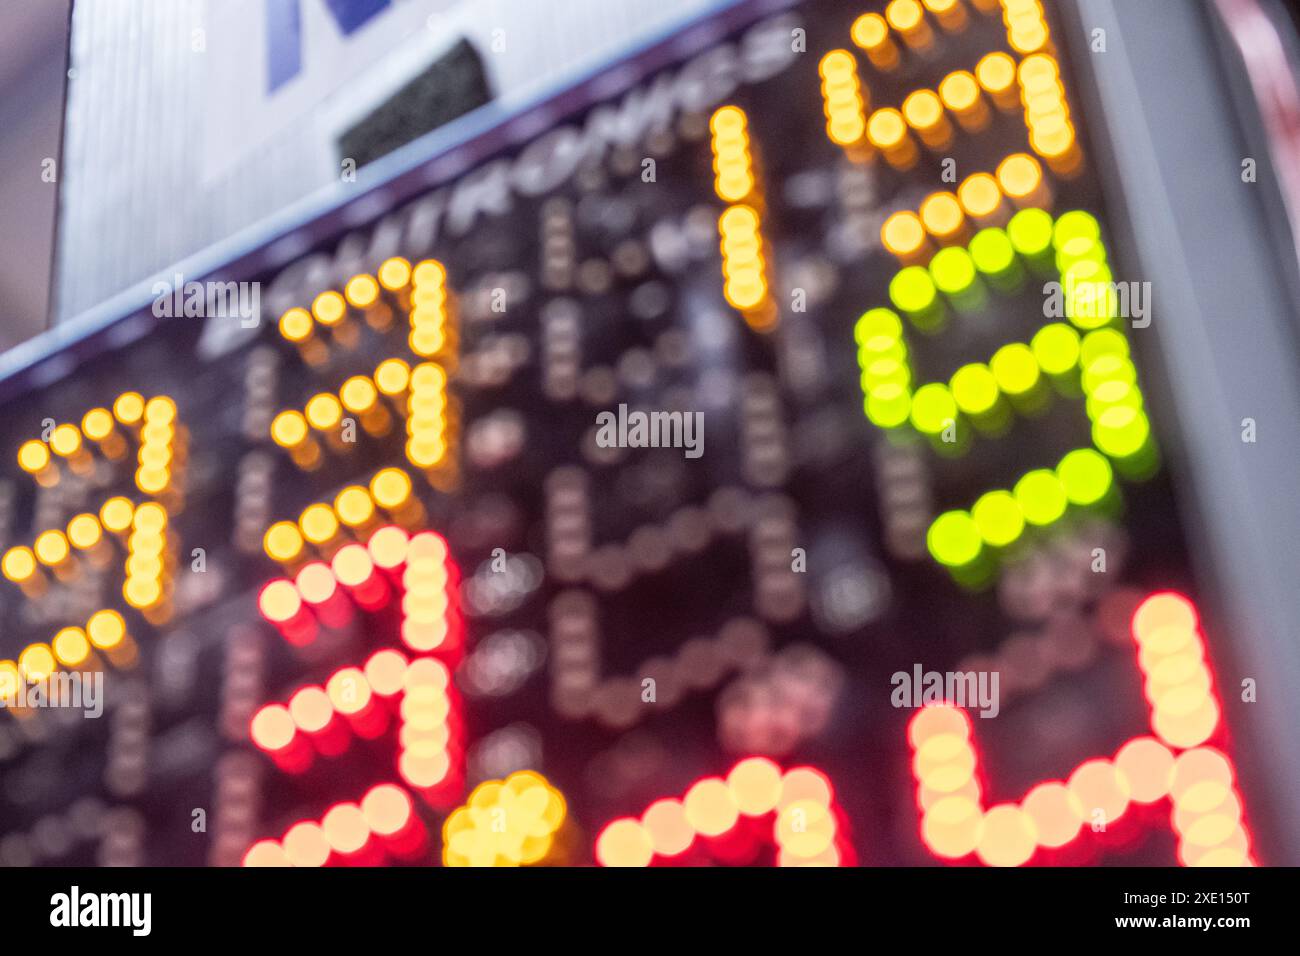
871,32
887,131
844,100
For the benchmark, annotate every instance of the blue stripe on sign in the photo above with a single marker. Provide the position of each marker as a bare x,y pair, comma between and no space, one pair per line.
284,33
350,15
283,42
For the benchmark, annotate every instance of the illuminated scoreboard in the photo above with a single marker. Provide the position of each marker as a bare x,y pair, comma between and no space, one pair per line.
881,567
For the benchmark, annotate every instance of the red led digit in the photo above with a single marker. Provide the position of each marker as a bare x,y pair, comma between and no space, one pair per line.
733,820
382,826
390,690
1177,764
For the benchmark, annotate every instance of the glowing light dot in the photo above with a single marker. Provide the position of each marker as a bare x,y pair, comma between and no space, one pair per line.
1008,837
310,709
1121,431
1041,497
933,409
106,629
1056,812
935,721
390,487
979,195
150,516
902,233
329,308
392,376
316,583
624,842
323,411
71,647
116,514
388,547
279,601
904,15
84,531
666,825
952,827
272,727
1019,175
998,516
923,110
318,523
942,215
755,785
974,389
387,809
1102,790
944,762
1085,475
142,592
358,394
429,376
1030,231
386,672
1165,609
51,547
289,429
33,456
888,405
1100,342
354,506
429,272
870,31
97,424
959,91
1147,767
352,565
886,129
296,325
954,539
710,807
129,408
305,845
65,440
1056,347
804,828
36,662
19,564
877,324
953,271
282,541
1073,226
361,291
1202,779
345,828
160,410
996,72
349,690
1015,369
395,274
912,290
265,853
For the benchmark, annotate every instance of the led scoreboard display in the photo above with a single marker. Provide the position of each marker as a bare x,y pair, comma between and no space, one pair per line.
370,582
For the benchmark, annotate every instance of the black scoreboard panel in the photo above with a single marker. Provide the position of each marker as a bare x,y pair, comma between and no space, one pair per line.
417,532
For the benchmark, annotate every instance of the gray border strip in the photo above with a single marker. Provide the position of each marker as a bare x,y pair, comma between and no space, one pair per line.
1228,352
